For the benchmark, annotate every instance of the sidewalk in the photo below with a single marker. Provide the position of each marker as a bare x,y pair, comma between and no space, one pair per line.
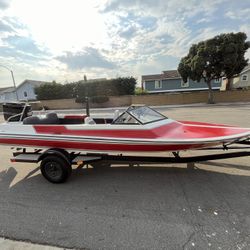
6,244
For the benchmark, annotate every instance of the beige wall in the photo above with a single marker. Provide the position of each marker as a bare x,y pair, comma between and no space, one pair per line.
233,96
192,97
114,101
173,98
155,99
61,104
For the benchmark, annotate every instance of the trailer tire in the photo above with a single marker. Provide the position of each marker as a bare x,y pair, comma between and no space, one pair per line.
55,169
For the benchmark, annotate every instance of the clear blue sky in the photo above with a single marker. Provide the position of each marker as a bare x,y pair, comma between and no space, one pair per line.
64,39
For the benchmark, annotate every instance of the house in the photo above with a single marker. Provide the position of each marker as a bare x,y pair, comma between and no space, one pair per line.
25,91
171,81
7,93
241,81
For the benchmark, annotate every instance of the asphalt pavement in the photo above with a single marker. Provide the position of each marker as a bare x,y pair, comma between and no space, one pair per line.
146,207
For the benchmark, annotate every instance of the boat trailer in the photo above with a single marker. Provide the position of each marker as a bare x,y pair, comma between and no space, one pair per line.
56,164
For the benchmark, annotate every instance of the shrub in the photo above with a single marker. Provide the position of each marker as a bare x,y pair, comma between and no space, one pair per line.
80,99
50,91
80,89
140,91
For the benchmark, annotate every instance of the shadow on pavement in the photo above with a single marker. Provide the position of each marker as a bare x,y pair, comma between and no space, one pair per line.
129,208
227,165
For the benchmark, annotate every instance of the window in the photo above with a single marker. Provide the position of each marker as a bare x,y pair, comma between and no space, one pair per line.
158,84
185,84
25,94
217,80
244,77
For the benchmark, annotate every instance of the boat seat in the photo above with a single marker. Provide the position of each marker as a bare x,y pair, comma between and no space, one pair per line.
89,120
50,118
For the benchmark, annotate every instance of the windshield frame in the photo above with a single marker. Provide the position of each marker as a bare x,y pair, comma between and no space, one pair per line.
128,111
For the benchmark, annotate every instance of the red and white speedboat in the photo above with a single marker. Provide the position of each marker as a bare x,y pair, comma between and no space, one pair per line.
138,129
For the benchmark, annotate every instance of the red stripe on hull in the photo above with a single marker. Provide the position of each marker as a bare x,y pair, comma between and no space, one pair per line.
85,146
173,130
113,133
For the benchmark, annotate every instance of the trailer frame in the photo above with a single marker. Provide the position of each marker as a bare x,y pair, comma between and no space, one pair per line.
61,161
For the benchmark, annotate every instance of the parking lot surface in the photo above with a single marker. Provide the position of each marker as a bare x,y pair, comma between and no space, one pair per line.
145,207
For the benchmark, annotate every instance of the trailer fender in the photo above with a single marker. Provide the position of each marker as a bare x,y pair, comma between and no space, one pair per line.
61,153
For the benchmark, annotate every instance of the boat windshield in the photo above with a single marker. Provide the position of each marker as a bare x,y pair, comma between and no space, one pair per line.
139,115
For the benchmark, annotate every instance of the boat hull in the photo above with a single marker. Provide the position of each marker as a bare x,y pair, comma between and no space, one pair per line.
101,146
167,135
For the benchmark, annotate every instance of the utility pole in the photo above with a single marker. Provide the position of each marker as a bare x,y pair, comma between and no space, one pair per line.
13,79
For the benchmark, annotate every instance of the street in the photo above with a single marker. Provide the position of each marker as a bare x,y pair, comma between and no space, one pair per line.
142,207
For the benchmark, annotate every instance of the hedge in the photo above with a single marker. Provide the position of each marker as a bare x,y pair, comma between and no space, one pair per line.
113,87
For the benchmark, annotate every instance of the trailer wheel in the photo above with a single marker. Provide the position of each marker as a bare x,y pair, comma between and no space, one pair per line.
55,169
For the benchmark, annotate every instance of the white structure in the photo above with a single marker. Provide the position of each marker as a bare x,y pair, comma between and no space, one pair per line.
25,91
7,94
241,81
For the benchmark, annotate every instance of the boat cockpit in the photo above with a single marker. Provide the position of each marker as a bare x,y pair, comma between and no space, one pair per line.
137,115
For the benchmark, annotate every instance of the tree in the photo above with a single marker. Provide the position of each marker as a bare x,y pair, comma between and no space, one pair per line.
221,56
112,87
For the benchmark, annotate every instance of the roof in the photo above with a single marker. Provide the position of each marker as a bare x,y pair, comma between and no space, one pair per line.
152,77
96,79
171,74
12,89
167,74
32,82
4,88
247,68
7,90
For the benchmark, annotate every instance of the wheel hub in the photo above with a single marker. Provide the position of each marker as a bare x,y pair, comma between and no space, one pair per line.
53,170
